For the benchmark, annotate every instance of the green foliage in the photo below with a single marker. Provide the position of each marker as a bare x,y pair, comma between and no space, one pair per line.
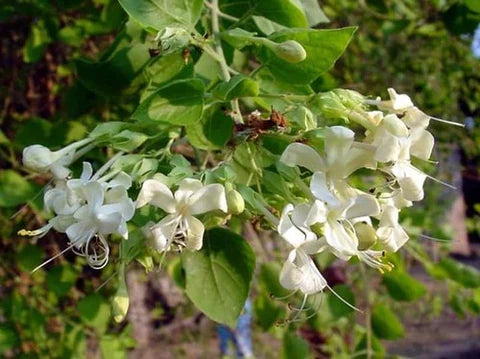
156,15
218,277
294,347
179,102
385,323
14,189
323,48
403,287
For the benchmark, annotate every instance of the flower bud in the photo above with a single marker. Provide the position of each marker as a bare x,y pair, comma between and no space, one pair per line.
235,202
331,105
38,158
121,300
366,235
290,51
173,39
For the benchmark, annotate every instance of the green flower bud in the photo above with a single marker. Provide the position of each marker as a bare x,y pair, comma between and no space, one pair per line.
173,39
290,51
235,202
121,301
366,235
331,105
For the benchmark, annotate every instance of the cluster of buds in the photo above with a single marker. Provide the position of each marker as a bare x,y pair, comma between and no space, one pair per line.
340,218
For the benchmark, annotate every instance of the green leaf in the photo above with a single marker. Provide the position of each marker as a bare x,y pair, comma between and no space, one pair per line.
403,287
218,276
266,26
110,77
269,279
37,41
238,86
107,129
385,323
314,13
283,12
294,347
467,276
473,5
94,311
156,15
377,348
29,257
179,102
60,279
128,140
14,189
213,131
8,337
266,313
323,48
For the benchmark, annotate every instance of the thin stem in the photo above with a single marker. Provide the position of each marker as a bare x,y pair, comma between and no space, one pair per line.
368,324
222,14
106,166
236,114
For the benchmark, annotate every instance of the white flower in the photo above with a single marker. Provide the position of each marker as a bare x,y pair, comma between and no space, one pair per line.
340,214
341,158
299,271
105,212
390,233
40,159
397,102
180,228
395,143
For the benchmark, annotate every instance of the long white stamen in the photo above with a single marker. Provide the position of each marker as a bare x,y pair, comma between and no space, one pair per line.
343,300
441,182
51,259
447,122
435,239
33,199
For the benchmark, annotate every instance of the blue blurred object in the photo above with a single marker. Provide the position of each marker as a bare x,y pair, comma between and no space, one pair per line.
476,43
240,337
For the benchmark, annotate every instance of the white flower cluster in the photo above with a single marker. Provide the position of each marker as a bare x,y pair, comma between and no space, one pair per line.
342,219
87,209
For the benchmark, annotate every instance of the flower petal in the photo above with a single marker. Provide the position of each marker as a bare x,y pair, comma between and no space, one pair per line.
365,205
319,188
399,101
338,141
343,244
288,230
94,194
422,143
87,172
122,179
79,233
298,154
300,273
156,194
208,198
390,232
195,230
162,233
186,188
